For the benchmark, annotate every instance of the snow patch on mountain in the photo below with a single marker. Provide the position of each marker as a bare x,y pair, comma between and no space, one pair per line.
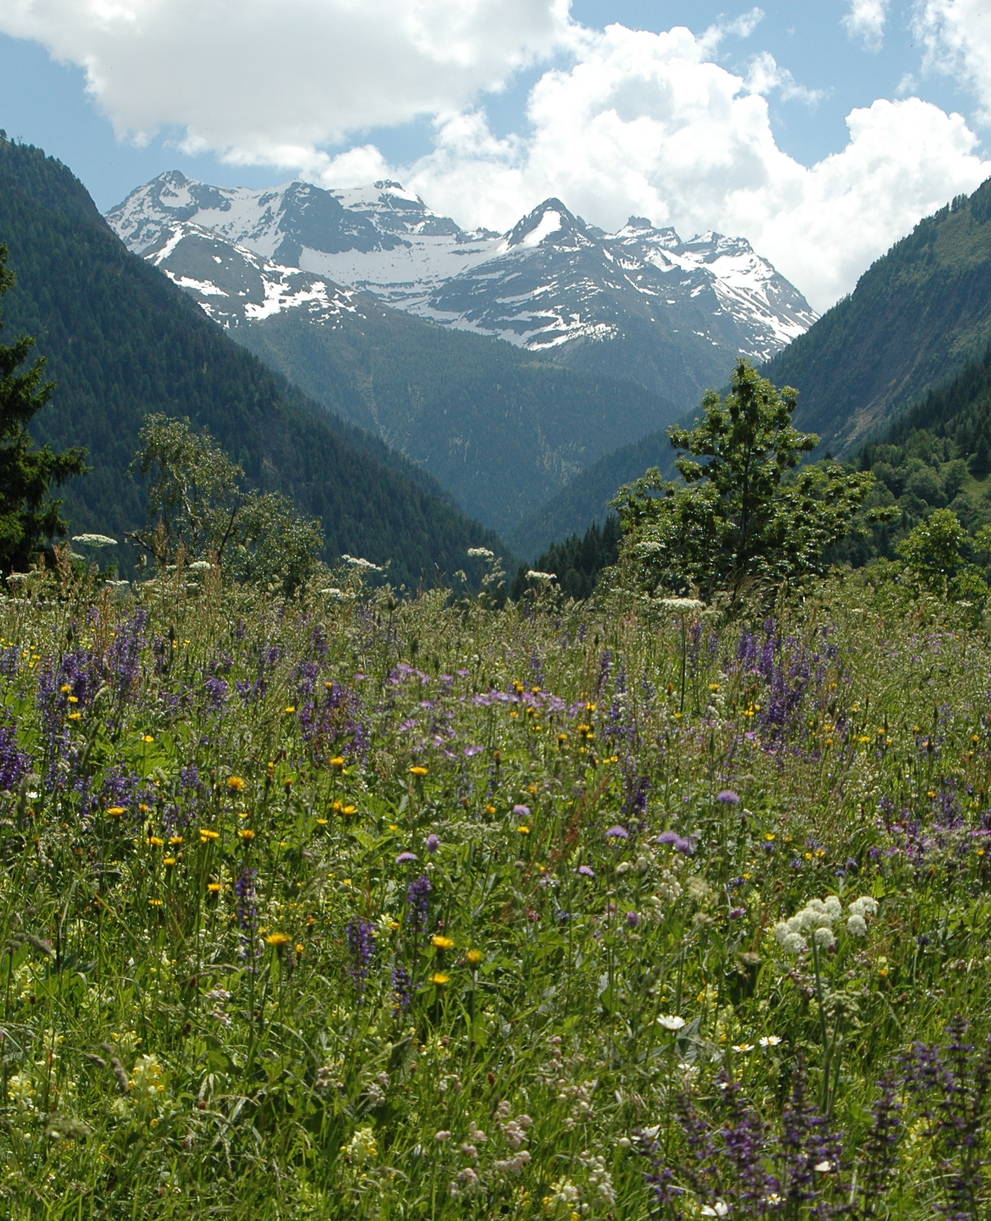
553,282
550,222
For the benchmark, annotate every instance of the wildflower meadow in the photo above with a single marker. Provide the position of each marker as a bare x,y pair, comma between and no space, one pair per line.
377,908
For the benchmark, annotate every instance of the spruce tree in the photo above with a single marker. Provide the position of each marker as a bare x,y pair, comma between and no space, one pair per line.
28,517
737,524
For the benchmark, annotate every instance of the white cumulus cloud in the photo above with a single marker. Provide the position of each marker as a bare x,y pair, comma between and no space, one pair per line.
645,124
865,20
618,122
823,225
260,80
956,35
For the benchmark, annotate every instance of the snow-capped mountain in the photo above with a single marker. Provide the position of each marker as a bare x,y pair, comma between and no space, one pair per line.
234,285
496,427
639,303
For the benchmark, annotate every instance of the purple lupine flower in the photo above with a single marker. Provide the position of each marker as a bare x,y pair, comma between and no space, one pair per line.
361,942
636,788
124,654
247,912
189,778
14,762
879,1155
418,898
215,693
306,677
123,788
808,1144
402,989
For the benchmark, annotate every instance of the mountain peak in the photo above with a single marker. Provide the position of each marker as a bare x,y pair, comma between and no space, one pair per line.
173,178
550,219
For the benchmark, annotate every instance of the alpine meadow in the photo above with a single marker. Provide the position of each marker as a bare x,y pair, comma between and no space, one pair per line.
495,724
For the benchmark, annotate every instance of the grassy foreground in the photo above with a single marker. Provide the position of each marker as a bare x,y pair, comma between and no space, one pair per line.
357,909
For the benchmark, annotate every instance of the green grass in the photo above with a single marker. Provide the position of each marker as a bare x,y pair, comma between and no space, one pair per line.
218,998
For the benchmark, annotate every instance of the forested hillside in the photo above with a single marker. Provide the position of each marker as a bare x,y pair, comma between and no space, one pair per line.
500,428
122,342
915,318
935,456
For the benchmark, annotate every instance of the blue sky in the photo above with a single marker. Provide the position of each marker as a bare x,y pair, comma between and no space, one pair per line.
822,130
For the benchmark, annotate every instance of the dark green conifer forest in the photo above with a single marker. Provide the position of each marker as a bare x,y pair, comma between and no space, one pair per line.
122,342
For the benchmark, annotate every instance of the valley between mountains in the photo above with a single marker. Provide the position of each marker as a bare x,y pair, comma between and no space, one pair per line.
502,364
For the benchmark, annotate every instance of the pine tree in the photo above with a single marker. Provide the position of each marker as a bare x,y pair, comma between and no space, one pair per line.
28,517
737,524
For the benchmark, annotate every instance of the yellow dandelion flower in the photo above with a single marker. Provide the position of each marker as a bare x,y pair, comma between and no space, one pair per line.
418,770
523,829
278,939
175,839
169,860
156,841
442,942
290,708
74,716
237,783
147,738
440,979
116,811
206,835
154,902
214,887
246,833
338,762
474,957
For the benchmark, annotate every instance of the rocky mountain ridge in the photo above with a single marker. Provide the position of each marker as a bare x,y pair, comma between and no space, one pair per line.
641,303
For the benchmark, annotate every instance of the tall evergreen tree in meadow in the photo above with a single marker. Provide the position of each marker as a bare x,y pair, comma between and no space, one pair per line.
29,518
736,524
